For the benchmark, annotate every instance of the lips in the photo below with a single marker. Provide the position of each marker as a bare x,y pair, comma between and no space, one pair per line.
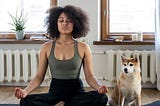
64,28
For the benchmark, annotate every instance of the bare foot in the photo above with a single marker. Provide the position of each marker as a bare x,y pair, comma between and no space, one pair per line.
61,103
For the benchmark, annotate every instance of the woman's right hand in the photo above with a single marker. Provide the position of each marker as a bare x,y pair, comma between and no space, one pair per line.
20,93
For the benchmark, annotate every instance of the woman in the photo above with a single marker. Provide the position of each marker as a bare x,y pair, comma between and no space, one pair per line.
65,56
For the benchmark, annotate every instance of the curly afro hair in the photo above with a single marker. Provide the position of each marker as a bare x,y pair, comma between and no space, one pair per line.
79,17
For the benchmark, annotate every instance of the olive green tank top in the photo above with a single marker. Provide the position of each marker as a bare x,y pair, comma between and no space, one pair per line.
65,69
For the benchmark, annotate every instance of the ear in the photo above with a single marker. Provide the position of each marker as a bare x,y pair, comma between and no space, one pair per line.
136,58
123,58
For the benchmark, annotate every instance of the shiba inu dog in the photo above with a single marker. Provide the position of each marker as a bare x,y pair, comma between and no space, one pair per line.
127,91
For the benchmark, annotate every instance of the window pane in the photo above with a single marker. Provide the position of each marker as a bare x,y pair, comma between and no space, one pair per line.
132,15
35,10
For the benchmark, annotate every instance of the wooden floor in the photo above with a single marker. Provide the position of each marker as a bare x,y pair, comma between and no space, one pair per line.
7,94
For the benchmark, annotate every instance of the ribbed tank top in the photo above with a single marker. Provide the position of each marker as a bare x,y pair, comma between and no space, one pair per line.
65,69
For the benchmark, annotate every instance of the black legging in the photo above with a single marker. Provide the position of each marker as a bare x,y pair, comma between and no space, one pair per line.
69,91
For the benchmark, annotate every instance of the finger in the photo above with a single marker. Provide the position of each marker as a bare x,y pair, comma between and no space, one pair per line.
19,93
107,90
16,92
100,91
103,90
23,94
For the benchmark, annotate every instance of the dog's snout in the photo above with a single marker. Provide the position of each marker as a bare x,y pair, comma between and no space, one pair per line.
125,70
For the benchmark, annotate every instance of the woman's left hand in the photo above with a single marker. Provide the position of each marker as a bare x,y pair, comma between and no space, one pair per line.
103,89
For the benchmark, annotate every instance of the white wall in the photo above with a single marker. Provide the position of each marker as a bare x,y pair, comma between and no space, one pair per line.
92,8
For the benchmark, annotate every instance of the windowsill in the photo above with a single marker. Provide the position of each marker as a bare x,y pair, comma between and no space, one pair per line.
24,41
125,42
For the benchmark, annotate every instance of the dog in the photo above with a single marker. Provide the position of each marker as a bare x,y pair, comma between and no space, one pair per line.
127,91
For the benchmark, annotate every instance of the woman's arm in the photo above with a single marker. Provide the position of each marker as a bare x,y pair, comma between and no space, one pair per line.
88,70
37,80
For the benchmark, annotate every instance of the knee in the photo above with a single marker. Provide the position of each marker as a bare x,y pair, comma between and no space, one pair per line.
103,98
23,102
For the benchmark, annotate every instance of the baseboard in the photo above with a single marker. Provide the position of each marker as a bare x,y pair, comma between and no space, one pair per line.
47,83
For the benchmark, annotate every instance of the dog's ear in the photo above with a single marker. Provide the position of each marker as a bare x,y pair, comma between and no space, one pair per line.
136,58
123,58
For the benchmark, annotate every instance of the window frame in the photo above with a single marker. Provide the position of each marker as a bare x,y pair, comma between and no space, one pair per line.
7,35
104,23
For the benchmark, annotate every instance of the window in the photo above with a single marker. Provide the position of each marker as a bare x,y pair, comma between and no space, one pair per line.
125,17
35,10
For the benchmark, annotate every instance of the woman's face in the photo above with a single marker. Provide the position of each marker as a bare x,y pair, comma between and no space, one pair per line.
65,24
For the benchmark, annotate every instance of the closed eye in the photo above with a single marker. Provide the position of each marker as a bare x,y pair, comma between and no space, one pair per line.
62,20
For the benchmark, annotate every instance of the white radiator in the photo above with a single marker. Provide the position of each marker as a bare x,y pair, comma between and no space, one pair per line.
18,65
107,64
21,65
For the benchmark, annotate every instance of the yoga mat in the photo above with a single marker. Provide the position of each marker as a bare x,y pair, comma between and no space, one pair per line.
9,104
155,103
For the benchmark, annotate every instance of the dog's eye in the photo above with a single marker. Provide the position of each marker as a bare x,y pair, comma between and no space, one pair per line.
125,64
131,64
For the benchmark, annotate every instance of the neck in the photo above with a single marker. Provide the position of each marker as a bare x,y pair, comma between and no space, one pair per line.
65,40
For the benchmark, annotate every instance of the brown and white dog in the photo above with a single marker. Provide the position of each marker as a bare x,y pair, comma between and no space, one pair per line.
127,91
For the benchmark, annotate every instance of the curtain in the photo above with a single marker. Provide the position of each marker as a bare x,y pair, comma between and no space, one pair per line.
157,42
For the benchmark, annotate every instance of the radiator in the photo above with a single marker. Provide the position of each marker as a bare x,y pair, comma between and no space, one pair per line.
18,65
21,65
107,64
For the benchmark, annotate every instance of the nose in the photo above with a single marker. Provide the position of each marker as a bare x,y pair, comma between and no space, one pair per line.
65,23
125,70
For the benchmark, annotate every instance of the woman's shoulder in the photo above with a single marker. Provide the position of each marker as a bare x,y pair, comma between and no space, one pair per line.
46,46
82,44
84,48
48,43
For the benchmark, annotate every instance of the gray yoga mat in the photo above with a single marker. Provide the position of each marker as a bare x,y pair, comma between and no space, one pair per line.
155,103
9,104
